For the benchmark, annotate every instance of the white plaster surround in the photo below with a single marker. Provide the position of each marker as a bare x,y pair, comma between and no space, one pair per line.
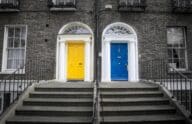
61,59
125,34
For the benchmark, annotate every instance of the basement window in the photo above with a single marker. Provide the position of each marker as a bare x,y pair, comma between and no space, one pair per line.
14,47
177,53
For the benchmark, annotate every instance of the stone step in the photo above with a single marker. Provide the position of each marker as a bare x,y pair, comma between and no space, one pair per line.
77,84
143,119
63,89
133,101
48,120
136,110
54,111
131,94
57,102
61,95
123,84
125,89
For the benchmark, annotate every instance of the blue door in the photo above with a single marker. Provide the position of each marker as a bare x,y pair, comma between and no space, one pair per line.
119,61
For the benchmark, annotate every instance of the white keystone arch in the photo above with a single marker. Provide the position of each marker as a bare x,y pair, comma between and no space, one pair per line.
74,31
123,33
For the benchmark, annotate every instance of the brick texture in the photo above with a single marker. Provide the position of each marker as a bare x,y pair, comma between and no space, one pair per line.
43,27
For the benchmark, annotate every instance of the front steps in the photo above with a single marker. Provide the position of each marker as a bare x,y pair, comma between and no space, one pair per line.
72,103
56,103
136,103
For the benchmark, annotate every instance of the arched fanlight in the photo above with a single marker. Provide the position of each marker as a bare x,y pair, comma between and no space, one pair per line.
75,29
118,30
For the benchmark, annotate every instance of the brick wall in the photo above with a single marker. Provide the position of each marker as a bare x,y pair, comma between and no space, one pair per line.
43,26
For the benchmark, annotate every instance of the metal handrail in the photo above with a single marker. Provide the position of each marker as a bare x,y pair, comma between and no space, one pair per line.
14,84
179,85
175,70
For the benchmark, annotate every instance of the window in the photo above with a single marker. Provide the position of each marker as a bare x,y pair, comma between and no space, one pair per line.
9,3
132,5
130,2
14,47
182,3
177,54
182,6
63,3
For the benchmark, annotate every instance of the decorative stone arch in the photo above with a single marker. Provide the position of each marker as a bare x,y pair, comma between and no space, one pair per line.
76,32
123,33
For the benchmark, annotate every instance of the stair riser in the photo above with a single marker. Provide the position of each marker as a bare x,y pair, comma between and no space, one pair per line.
132,113
162,122
52,113
28,122
60,96
127,89
27,103
146,122
134,103
64,89
131,95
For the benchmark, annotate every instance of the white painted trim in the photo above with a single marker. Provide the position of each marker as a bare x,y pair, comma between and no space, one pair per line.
63,38
4,57
131,39
61,57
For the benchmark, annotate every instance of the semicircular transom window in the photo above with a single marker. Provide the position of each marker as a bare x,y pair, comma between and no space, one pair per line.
76,30
118,30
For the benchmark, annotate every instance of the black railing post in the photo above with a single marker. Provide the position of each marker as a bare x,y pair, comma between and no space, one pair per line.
186,100
190,97
181,90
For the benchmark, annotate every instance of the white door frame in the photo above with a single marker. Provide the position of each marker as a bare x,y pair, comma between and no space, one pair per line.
131,40
61,57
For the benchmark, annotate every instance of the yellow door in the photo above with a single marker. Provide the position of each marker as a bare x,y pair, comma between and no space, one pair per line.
75,64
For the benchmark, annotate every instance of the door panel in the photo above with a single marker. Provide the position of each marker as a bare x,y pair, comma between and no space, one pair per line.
75,64
119,61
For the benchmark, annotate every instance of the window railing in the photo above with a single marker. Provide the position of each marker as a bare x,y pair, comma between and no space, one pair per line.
9,4
62,3
134,5
178,84
182,5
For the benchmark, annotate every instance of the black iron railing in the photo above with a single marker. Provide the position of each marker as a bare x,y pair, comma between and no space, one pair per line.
133,5
62,3
179,85
13,85
9,4
182,5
